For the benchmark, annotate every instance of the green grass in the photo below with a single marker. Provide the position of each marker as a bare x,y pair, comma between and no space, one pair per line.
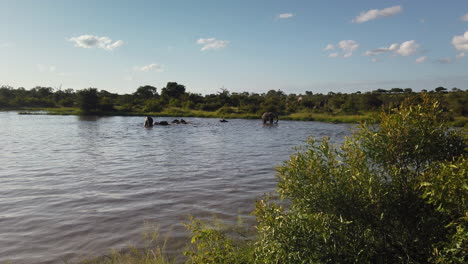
331,118
151,253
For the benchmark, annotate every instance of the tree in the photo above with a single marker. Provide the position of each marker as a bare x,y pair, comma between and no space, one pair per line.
173,90
146,92
88,100
440,89
395,193
396,90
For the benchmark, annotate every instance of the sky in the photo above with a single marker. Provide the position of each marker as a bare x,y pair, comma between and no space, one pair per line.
242,46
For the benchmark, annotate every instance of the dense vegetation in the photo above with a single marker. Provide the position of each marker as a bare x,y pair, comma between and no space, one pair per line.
175,100
392,193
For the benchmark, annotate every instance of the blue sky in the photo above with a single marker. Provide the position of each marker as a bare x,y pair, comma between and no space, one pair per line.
254,46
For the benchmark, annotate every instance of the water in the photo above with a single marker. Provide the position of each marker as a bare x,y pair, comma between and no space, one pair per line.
74,187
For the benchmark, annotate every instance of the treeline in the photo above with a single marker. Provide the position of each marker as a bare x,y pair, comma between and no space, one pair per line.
147,99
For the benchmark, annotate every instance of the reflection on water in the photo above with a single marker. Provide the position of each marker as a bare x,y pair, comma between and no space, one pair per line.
88,118
70,187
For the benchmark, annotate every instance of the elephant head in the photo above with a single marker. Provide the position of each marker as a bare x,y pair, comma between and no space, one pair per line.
148,121
269,117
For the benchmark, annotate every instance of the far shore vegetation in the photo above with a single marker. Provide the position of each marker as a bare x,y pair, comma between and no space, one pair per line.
174,100
392,193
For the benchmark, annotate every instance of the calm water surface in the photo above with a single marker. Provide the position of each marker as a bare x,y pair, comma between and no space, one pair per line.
72,187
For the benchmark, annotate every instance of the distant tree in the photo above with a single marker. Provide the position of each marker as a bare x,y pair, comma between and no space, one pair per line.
380,91
408,90
146,92
396,90
173,90
88,100
440,89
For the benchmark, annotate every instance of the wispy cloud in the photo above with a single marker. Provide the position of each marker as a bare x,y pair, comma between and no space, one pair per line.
347,47
91,41
406,48
212,44
46,68
445,61
51,69
464,17
150,67
377,13
450,60
285,15
421,59
461,42
5,44
329,47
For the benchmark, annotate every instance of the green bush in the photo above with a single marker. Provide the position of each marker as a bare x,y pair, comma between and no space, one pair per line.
390,194
218,244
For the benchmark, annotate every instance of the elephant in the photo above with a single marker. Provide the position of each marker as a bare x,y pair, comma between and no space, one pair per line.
269,117
223,120
162,123
175,121
148,121
183,121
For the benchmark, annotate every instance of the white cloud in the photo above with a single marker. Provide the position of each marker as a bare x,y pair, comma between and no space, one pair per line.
421,59
464,17
461,42
460,55
404,49
329,47
150,67
90,41
376,13
212,44
285,15
407,48
347,47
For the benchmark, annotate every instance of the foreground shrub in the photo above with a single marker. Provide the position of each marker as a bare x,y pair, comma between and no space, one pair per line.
391,194
217,243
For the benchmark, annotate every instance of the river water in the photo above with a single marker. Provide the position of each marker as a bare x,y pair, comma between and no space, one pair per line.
74,187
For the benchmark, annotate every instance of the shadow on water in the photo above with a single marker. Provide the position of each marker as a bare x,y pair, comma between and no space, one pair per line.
89,118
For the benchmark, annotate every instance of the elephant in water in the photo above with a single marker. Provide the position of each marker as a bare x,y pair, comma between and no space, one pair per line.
148,121
269,117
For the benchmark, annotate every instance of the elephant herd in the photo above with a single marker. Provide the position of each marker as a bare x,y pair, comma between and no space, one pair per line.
267,117
149,122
